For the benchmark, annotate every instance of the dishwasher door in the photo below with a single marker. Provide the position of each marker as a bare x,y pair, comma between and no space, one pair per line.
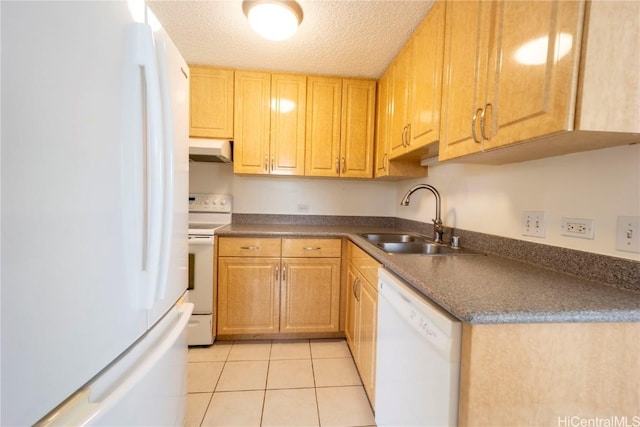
418,358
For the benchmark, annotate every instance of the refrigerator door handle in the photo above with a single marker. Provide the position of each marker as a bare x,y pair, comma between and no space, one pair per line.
88,404
166,236
153,159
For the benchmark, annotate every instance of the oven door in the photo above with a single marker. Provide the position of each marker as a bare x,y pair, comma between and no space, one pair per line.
201,274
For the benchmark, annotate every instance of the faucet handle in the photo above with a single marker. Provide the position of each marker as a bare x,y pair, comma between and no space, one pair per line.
455,242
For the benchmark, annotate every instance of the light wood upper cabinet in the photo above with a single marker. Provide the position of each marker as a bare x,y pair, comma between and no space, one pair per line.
526,72
340,127
211,102
324,117
357,131
384,166
288,109
416,90
426,78
252,122
510,78
467,31
529,93
400,100
382,126
269,123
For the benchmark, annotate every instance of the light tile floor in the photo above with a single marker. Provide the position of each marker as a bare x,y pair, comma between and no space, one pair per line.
275,383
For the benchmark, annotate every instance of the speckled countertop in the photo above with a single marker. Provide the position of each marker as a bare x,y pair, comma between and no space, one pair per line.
480,289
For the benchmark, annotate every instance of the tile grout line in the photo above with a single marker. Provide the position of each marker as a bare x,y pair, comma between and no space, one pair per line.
215,386
266,381
315,386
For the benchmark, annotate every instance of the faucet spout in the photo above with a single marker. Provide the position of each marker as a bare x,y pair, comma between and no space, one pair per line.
438,227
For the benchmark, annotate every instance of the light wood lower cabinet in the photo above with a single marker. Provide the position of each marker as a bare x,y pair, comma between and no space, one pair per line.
362,314
310,300
248,295
558,374
270,286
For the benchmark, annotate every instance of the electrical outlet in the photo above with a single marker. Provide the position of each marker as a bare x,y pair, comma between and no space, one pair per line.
577,227
628,234
303,207
533,223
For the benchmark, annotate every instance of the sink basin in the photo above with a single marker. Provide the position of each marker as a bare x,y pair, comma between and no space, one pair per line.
395,238
409,243
423,249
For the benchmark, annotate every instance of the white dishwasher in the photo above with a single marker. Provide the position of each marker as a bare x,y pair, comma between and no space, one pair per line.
418,358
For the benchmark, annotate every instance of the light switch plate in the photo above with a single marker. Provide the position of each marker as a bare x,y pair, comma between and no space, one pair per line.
533,223
628,234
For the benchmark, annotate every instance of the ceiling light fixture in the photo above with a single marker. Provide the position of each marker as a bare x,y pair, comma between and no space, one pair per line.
273,19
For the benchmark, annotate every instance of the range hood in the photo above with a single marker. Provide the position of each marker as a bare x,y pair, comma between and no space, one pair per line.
210,150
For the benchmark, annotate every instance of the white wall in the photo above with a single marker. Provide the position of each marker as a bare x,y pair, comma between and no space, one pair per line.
490,199
599,185
282,195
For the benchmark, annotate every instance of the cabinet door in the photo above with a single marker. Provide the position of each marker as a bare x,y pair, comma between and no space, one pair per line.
358,114
401,99
211,102
368,321
324,109
427,53
351,307
248,295
531,87
382,126
288,108
310,295
467,31
252,122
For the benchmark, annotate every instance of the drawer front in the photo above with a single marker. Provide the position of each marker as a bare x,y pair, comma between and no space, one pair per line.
312,248
365,264
249,247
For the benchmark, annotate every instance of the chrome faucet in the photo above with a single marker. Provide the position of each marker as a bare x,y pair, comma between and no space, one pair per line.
438,227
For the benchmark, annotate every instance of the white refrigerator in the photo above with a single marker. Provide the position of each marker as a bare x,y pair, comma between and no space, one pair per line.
94,202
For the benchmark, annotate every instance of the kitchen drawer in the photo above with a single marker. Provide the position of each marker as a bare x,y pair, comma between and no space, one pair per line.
312,248
248,247
365,264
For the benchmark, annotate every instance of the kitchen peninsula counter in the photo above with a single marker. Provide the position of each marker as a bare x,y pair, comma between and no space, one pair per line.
479,289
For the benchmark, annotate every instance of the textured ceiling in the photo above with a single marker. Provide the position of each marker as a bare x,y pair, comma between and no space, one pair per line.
355,38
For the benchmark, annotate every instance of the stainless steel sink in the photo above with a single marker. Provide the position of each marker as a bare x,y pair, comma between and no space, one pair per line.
423,249
395,237
416,244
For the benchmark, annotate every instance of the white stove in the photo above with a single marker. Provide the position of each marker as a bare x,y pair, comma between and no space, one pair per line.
207,213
